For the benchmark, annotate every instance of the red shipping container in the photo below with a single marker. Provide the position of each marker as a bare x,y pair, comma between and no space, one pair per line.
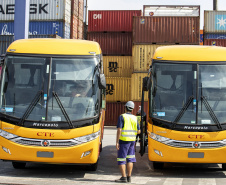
111,20
115,109
215,42
113,43
166,30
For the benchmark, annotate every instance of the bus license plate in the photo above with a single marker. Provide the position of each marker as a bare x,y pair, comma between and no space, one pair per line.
45,154
195,155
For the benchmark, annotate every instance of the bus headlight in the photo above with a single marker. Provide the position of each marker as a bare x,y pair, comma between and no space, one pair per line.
87,138
7,135
158,137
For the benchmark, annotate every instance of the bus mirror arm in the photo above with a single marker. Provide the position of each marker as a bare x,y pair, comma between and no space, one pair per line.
102,81
146,83
2,59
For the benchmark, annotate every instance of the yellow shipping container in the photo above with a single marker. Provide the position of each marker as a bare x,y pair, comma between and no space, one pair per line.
136,87
142,56
118,66
118,89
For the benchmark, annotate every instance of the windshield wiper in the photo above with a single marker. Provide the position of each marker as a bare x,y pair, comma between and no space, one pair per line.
182,111
62,109
210,110
31,107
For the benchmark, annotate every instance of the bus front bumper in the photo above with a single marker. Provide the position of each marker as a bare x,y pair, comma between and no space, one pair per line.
86,153
160,152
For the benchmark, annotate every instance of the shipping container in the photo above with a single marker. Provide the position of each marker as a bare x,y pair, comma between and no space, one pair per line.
118,66
39,28
74,7
113,43
115,109
80,29
215,36
74,27
6,40
81,10
40,10
215,42
214,21
111,20
118,89
166,30
171,10
142,56
136,87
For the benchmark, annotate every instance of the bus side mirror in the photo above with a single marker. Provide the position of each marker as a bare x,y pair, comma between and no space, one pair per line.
102,81
145,83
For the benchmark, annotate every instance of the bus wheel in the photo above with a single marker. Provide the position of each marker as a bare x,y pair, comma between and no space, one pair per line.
101,147
157,165
93,167
224,166
18,165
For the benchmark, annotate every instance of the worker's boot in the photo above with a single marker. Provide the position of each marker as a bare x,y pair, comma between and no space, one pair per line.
122,179
128,178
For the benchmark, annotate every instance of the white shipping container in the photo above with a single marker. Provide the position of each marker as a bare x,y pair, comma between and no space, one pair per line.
39,10
214,21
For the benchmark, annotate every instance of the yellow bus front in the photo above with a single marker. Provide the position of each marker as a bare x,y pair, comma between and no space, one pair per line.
52,102
187,100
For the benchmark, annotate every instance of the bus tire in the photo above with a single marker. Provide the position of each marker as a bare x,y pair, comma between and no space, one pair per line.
157,165
93,167
101,147
224,166
19,165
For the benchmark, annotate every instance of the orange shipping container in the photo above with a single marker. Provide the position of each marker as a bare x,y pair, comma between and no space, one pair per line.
118,89
136,87
74,7
81,9
117,66
74,27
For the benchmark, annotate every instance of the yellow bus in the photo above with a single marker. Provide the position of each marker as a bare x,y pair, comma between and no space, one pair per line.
52,102
187,105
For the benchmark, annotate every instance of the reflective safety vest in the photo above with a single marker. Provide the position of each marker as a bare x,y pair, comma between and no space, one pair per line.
129,131
139,119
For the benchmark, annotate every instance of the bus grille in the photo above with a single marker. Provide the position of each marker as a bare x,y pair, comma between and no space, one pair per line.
191,144
45,143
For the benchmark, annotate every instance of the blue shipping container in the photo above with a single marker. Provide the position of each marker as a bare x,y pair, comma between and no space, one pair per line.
39,28
214,36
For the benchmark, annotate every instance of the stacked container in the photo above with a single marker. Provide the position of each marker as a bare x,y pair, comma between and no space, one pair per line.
77,16
113,31
160,26
214,28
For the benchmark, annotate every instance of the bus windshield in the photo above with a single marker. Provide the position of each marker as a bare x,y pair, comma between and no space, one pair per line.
50,89
189,93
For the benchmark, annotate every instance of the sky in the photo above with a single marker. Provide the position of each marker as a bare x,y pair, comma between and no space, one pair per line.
138,5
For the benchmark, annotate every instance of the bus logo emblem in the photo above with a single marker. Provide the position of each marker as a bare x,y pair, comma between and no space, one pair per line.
196,145
45,143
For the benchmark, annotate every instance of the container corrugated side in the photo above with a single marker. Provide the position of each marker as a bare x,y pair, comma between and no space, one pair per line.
136,86
118,66
74,7
118,89
214,21
166,30
74,27
81,9
142,56
39,10
111,20
115,109
215,42
215,36
39,28
113,43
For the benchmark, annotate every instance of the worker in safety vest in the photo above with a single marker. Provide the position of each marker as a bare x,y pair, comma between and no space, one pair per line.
127,130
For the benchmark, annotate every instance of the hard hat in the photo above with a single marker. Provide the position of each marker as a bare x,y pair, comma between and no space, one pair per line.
129,105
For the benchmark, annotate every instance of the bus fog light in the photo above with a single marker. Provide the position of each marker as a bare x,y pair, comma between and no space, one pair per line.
85,154
5,149
158,152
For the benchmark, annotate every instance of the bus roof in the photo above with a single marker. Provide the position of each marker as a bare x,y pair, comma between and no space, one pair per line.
55,47
190,53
